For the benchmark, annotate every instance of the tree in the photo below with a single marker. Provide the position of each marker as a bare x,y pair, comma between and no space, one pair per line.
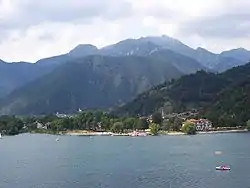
189,128
142,124
130,123
166,125
177,123
58,124
106,125
11,125
157,118
117,127
154,129
248,125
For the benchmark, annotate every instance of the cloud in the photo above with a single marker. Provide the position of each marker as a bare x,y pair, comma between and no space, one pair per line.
24,13
225,26
33,29
228,19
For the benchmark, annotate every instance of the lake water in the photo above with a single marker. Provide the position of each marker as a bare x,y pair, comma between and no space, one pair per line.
38,161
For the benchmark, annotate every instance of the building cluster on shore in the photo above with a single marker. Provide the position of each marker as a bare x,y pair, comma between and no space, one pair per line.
200,124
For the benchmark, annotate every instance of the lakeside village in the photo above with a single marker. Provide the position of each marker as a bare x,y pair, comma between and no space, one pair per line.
98,123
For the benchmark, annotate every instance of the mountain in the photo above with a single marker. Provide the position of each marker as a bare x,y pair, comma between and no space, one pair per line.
224,98
188,92
231,105
17,74
239,53
217,62
185,59
83,50
14,75
90,82
183,63
138,73
130,47
226,63
207,58
23,73
171,44
146,45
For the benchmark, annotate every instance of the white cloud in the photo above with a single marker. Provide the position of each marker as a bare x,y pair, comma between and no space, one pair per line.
33,29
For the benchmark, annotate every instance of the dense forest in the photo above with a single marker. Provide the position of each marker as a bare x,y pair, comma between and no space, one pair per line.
89,120
97,121
223,98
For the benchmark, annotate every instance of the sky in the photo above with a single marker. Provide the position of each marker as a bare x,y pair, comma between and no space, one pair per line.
35,29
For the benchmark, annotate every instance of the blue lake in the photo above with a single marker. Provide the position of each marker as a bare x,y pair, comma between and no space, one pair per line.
38,161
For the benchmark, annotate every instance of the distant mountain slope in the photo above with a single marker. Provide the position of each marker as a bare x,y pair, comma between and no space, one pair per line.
83,50
13,75
220,97
130,47
171,44
239,53
226,63
183,63
217,62
147,45
91,82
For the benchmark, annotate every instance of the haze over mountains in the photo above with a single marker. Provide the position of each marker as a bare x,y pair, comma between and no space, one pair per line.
88,77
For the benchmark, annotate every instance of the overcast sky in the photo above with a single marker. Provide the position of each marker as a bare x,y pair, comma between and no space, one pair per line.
34,29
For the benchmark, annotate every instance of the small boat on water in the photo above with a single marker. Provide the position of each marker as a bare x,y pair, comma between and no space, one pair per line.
218,152
223,167
57,139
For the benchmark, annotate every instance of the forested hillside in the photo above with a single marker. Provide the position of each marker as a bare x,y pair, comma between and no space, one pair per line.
224,98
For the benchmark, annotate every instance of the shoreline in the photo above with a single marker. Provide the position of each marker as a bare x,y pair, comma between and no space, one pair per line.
130,134
88,133
224,131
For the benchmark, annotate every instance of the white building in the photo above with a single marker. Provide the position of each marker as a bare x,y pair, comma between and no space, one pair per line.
201,124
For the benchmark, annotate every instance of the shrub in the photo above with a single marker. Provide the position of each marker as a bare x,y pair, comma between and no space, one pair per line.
189,128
